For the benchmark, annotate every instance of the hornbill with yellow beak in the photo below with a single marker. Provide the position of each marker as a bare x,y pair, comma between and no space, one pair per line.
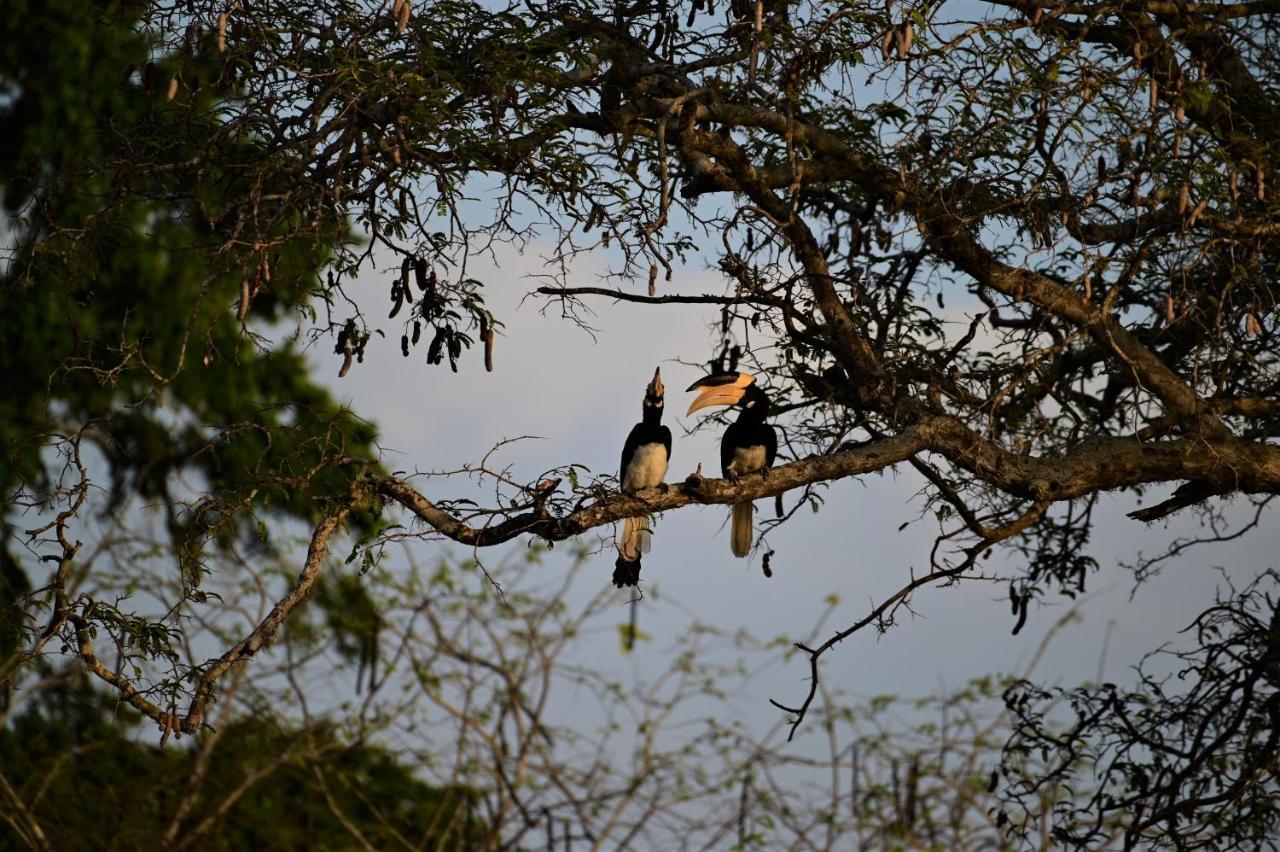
644,464
749,444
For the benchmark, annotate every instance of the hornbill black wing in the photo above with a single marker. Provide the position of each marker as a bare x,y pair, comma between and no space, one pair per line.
629,450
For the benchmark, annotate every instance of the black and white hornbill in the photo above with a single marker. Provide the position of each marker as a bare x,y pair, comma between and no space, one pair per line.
645,456
749,444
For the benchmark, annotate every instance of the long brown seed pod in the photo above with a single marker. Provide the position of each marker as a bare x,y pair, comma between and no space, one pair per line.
653,280
222,33
906,37
488,350
420,273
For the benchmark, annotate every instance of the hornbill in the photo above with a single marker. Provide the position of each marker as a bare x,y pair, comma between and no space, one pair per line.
644,464
749,444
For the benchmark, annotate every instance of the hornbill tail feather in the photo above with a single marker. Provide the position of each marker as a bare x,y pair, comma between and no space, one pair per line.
740,534
626,573
635,538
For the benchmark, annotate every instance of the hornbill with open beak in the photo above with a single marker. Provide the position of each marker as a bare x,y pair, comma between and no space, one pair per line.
644,464
749,444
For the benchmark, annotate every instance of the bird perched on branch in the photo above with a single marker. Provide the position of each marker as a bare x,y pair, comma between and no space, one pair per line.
645,457
749,444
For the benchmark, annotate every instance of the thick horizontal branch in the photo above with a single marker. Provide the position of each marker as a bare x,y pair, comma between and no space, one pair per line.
1098,465
693,491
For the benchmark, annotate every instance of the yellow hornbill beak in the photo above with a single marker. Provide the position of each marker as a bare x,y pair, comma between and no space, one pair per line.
655,388
719,389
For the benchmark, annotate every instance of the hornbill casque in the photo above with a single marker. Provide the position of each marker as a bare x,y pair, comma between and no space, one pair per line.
644,464
749,444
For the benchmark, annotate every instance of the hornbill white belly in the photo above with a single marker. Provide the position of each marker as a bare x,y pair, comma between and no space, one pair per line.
749,444
645,457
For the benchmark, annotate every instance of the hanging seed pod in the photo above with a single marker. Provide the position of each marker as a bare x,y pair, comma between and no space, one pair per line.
346,364
1154,95
906,38
420,273
1262,184
435,351
402,23
222,32
243,312
1137,52
1179,113
1088,286
488,350
886,44
1252,327
1022,621
454,346
173,88
693,13
404,345
1168,309
1177,144
1234,186
1102,168
1184,199
659,32
397,300
1036,15
653,280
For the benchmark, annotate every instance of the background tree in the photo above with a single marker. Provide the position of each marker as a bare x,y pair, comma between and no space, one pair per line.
484,733
1086,186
